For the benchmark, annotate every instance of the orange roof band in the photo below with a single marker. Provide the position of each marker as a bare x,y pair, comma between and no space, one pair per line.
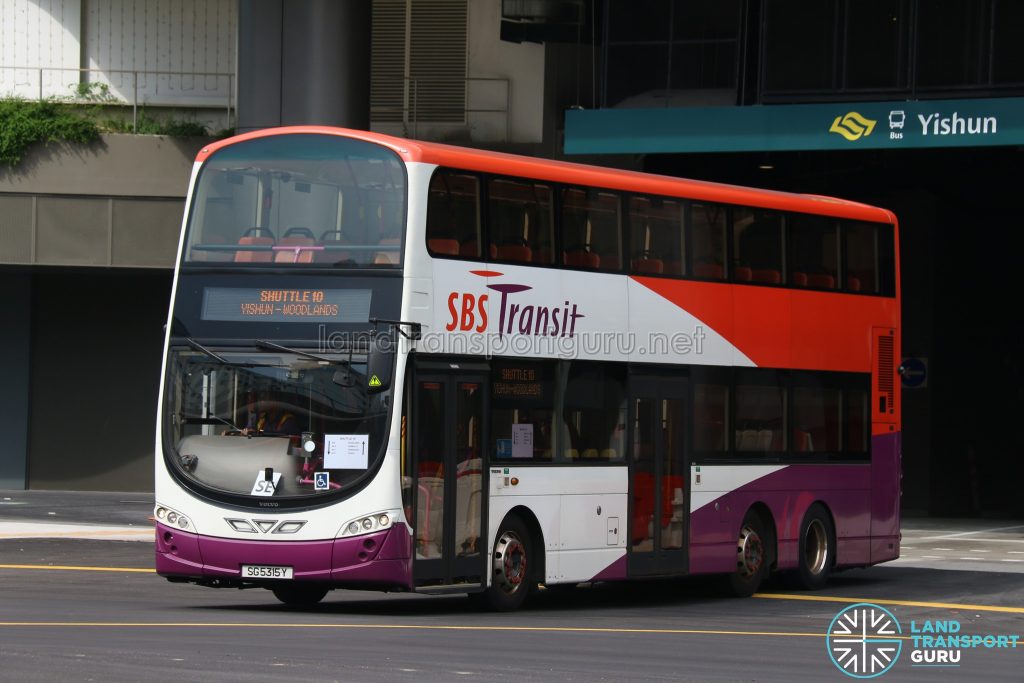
500,163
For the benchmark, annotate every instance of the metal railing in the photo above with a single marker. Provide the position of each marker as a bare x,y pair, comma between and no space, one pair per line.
135,88
423,102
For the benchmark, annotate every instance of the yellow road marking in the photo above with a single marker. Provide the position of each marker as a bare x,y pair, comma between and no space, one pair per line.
902,603
78,569
419,627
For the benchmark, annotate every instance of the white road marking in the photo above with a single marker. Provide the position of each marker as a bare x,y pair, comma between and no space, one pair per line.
971,533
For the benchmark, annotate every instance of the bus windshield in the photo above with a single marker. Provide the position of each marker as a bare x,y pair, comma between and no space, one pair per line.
272,423
299,199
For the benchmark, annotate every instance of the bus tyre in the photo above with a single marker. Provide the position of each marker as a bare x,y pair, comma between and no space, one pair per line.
512,567
751,558
299,595
817,549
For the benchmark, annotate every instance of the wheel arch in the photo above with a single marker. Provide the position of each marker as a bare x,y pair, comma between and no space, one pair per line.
536,535
831,519
764,514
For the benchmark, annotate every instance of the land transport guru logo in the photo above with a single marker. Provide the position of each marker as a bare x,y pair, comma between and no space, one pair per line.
864,640
468,311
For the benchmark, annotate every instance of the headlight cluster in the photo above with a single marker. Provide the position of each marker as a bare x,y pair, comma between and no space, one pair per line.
378,521
172,517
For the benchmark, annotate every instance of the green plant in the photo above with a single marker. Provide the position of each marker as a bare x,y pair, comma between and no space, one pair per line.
24,123
184,128
147,125
98,93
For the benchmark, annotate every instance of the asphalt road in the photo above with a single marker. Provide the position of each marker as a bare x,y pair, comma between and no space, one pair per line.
76,624
73,609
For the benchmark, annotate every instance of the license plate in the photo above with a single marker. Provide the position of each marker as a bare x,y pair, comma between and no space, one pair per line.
262,571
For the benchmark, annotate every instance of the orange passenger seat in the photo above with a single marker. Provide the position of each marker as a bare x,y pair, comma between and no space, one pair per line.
295,237
582,259
444,245
260,237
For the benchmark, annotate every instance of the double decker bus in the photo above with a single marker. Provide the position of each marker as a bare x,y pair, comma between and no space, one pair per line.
399,365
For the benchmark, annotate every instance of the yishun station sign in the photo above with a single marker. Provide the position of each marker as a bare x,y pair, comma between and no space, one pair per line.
768,128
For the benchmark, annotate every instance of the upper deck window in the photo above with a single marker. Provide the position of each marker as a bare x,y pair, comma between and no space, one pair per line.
309,200
869,259
757,246
591,229
657,243
708,240
521,221
453,215
814,251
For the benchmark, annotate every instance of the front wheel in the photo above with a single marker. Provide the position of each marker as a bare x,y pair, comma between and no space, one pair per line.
511,567
751,558
299,595
817,549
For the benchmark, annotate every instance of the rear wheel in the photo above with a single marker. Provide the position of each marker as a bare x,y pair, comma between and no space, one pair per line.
299,595
512,564
751,558
817,548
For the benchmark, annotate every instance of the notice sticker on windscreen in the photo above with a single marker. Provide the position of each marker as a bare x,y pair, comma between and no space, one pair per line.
346,451
263,486
266,305
522,440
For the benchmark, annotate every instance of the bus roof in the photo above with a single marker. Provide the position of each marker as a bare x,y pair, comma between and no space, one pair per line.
501,163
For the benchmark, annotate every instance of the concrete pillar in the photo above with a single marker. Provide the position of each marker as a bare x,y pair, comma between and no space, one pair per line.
259,64
15,342
304,62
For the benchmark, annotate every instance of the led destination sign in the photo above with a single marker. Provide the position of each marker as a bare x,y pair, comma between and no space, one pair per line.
254,304
520,382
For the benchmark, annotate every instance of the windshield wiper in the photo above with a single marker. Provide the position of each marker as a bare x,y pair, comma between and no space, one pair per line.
202,349
227,422
216,356
214,416
264,344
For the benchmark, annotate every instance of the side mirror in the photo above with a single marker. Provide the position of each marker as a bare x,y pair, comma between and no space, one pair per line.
380,366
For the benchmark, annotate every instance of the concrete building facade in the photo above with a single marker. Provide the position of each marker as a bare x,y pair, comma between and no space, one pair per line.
754,92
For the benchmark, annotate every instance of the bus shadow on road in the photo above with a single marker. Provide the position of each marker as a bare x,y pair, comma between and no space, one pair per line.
694,594
672,593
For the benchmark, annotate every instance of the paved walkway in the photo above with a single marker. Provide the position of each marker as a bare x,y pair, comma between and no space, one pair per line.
110,516
94,532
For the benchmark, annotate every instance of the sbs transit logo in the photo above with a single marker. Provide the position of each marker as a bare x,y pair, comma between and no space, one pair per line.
864,640
469,311
852,126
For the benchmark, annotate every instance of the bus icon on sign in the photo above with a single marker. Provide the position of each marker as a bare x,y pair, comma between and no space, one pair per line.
897,118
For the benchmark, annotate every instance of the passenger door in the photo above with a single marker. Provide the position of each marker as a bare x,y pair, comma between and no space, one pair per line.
449,491
658,485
